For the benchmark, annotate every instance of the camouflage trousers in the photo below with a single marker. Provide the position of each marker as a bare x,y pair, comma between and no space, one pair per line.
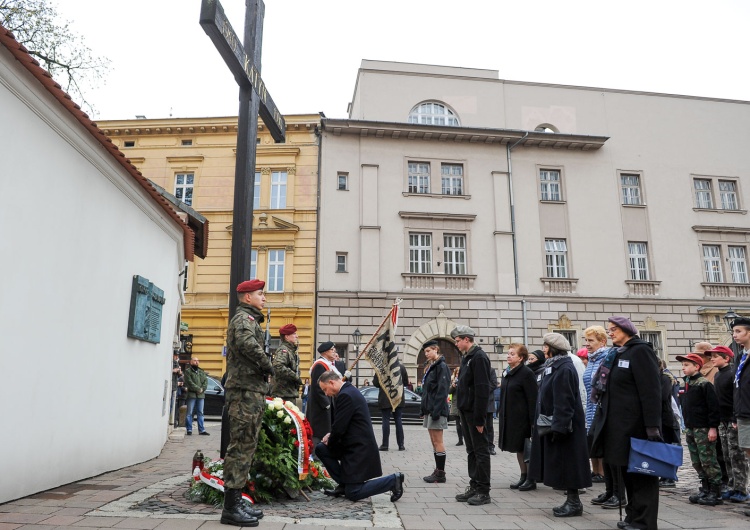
734,458
245,410
703,455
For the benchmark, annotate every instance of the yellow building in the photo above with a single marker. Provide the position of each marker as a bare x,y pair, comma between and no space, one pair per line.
194,159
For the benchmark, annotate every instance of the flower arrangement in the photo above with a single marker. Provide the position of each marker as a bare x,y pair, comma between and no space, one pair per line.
282,464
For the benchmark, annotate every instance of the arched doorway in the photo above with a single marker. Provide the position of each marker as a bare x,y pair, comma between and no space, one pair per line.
449,351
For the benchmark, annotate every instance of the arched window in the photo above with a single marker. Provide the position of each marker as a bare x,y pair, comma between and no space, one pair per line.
432,113
546,128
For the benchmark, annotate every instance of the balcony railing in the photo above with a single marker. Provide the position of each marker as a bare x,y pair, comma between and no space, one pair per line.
726,290
448,282
643,287
559,285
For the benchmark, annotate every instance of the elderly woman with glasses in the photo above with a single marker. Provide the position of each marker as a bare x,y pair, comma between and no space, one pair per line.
628,390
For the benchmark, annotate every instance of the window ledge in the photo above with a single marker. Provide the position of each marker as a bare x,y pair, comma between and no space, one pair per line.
633,205
643,287
719,210
435,195
560,285
448,282
726,290
551,202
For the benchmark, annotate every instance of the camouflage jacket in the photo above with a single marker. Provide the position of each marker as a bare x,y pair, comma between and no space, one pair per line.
196,382
286,379
247,363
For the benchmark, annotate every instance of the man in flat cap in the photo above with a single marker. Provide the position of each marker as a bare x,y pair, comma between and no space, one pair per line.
318,404
473,394
246,387
286,379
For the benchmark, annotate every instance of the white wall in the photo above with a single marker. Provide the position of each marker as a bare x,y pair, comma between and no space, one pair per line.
79,397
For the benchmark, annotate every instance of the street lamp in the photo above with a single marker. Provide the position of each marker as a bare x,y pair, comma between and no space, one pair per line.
728,318
356,339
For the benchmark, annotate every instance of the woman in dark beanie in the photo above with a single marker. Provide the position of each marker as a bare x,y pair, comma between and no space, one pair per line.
628,390
560,459
535,362
518,392
435,386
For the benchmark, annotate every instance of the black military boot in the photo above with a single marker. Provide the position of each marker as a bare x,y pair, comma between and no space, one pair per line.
702,492
233,513
249,509
713,498
572,507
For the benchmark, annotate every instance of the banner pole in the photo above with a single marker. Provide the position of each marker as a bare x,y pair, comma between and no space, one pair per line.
359,356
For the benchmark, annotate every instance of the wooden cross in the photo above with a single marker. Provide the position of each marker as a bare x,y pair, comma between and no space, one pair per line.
244,63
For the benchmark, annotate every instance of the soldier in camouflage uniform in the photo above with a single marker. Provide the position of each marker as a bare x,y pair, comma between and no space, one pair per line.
248,369
286,379
700,408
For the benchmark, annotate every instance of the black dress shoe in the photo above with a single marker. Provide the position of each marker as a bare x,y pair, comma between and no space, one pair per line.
623,524
460,442
338,491
492,451
613,503
528,485
205,433
401,448
601,499
383,448
398,489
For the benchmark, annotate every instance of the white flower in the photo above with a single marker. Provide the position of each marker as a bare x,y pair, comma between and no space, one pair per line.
279,406
292,406
287,420
280,414
271,406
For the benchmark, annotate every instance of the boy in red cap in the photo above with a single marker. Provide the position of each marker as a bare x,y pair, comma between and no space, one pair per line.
700,409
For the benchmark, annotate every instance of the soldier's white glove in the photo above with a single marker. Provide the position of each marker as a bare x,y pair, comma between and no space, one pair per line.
348,375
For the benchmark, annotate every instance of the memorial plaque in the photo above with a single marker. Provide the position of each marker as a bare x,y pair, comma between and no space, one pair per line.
146,303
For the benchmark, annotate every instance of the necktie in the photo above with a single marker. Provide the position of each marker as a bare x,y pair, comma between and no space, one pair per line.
743,360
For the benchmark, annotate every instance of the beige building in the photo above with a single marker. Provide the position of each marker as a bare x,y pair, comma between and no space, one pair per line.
520,208
194,159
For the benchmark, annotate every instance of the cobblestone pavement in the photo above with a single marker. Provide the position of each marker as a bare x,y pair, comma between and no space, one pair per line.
151,496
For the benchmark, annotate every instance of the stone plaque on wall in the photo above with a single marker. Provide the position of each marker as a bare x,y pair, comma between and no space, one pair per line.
146,302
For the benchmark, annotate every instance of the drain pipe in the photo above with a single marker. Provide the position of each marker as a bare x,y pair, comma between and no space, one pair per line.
509,148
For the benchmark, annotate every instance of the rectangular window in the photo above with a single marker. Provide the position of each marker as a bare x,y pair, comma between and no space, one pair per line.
253,263
278,189
183,187
187,142
570,336
256,193
556,251
420,253
728,195
638,257
712,263
340,262
419,177
703,195
737,264
275,282
342,182
631,188
129,143
654,337
453,179
454,254
550,184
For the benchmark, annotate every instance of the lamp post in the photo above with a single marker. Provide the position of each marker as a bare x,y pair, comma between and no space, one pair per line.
356,340
728,318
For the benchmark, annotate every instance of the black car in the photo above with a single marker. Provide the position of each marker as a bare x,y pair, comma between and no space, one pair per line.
214,401
410,412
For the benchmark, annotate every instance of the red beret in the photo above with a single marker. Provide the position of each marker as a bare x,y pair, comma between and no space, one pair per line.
288,329
251,285
691,358
722,350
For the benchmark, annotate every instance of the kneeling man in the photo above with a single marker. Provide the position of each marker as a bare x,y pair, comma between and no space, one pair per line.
349,451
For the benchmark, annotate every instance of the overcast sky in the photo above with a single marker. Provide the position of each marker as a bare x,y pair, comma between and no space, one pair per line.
164,64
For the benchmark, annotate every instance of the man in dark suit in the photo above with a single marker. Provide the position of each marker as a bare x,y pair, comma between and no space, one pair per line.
349,452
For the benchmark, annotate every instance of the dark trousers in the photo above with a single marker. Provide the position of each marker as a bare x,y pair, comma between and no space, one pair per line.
459,429
642,509
356,491
478,456
386,416
612,484
489,430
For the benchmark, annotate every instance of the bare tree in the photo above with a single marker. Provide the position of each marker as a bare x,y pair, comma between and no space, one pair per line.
36,25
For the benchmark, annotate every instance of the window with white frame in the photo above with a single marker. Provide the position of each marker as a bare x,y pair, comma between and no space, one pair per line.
549,182
275,281
712,263
638,259
256,193
253,263
728,195
631,188
556,254
570,335
278,189
183,187
432,113
737,264
452,178
420,253
703,196
341,262
342,181
419,177
454,254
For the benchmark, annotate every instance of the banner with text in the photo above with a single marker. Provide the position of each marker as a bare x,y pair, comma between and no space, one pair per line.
381,352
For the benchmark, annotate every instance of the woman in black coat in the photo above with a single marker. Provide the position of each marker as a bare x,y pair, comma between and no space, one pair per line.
516,410
435,409
630,406
560,459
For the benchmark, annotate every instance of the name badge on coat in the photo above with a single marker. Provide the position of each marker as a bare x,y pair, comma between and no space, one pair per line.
622,363
548,370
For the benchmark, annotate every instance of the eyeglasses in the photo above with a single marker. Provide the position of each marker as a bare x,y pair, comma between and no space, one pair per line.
612,329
